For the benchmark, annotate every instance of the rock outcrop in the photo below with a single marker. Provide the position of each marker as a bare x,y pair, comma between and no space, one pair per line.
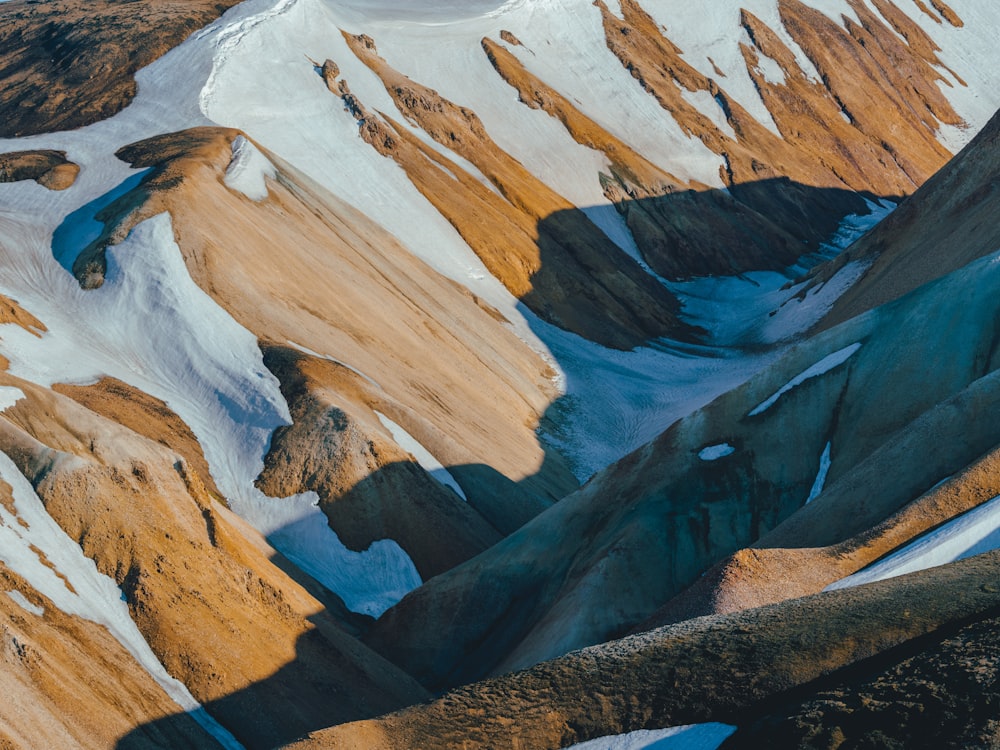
49,169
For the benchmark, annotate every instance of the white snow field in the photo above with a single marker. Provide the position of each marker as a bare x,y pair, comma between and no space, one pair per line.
971,533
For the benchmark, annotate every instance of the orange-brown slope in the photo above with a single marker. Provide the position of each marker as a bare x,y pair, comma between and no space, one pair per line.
709,669
681,229
144,414
761,170
50,169
68,683
543,249
885,88
221,618
68,63
300,266
950,221
368,487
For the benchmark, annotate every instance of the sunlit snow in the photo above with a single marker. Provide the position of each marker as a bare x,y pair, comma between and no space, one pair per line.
248,170
971,533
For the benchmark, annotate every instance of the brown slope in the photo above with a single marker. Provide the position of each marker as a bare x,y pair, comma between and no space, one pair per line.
949,222
303,267
68,683
246,640
886,89
368,487
682,230
544,250
68,63
709,669
144,414
755,154
49,169
946,696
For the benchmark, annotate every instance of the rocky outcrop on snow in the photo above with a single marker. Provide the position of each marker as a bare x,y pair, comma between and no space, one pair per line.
368,487
50,169
682,229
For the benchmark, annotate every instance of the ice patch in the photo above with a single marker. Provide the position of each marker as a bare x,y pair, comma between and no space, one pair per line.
430,464
822,367
972,533
249,170
715,452
9,395
824,469
55,566
691,737
22,601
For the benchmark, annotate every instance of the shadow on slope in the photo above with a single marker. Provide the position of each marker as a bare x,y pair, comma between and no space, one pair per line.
474,619
479,613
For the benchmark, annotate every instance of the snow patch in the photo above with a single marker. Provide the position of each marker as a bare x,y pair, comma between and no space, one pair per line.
771,70
824,469
9,395
427,461
709,106
249,170
22,601
715,452
691,737
972,533
369,581
822,367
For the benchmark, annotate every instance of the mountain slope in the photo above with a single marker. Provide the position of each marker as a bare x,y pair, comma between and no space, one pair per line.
308,349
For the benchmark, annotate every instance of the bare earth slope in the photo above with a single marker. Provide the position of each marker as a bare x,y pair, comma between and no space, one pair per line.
707,669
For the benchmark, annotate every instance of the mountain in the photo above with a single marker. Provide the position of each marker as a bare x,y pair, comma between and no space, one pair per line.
506,366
